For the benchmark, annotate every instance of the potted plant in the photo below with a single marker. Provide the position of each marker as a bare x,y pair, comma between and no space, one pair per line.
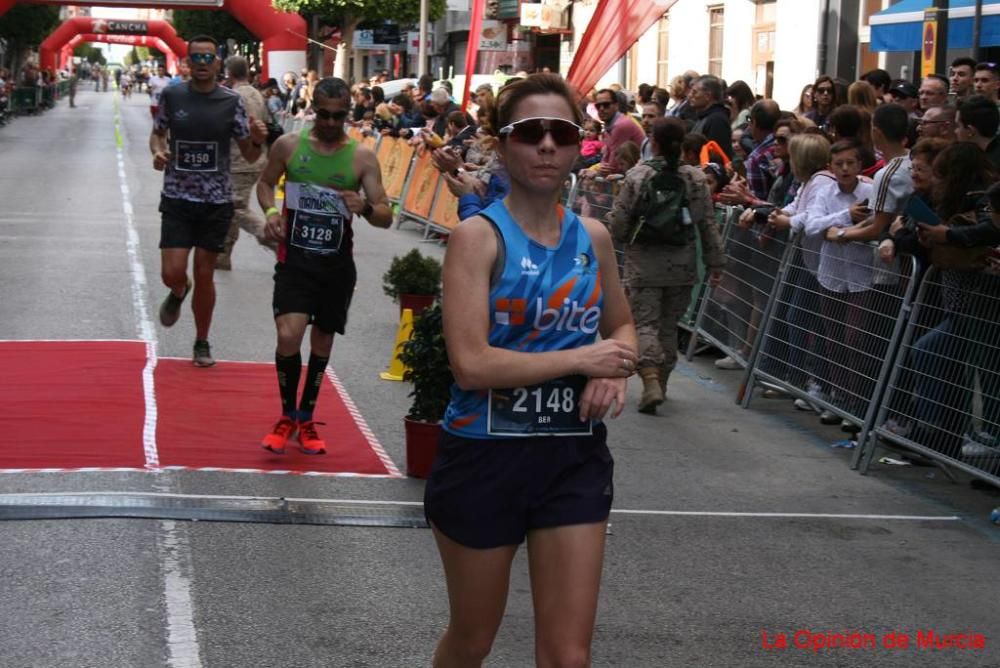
426,361
414,280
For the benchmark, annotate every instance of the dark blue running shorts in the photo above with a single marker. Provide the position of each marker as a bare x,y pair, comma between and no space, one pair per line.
486,493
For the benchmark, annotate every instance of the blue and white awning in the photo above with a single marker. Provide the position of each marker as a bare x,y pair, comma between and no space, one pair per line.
900,27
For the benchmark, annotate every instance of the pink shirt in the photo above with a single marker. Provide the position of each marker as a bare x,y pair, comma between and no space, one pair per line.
623,129
591,147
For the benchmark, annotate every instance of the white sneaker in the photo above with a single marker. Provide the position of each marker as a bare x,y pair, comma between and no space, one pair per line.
728,363
897,427
972,449
815,391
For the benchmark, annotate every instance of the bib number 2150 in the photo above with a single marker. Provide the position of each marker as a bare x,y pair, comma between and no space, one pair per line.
548,408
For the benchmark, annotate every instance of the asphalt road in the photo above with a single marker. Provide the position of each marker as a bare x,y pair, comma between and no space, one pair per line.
688,582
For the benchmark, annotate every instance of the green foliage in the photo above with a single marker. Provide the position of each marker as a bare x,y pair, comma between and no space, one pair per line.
400,11
221,25
412,274
27,26
92,54
426,360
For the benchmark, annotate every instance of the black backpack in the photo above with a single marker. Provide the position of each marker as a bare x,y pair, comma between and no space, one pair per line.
661,211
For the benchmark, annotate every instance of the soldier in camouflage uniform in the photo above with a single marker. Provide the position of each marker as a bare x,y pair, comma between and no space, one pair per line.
659,278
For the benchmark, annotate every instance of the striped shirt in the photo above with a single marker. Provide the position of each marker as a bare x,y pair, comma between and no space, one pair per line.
893,186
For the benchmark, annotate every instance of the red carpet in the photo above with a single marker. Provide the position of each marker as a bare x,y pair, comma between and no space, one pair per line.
216,418
71,405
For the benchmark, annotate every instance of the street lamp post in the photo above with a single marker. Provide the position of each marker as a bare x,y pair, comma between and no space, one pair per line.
422,47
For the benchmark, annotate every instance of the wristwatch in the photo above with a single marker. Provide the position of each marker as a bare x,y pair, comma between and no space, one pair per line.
368,210
841,234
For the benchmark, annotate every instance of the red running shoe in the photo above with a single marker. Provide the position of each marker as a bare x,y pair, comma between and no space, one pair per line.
309,441
275,441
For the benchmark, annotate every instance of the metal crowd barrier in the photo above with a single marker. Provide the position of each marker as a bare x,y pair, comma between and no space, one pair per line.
731,314
569,190
688,320
418,192
592,197
942,399
26,100
834,348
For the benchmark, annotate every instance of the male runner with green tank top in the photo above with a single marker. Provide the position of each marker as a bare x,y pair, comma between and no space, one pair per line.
315,274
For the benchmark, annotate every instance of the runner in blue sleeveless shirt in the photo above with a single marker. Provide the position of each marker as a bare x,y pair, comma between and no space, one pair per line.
528,286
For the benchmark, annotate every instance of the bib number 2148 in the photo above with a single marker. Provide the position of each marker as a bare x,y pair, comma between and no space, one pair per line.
552,407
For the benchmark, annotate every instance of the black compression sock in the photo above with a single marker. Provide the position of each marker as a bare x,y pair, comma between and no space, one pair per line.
289,370
314,378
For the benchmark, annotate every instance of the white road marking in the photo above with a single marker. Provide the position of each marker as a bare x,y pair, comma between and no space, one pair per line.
175,553
182,636
146,330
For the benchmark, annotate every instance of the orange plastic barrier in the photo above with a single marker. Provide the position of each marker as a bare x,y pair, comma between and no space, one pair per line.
445,211
384,152
355,133
423,182
395,165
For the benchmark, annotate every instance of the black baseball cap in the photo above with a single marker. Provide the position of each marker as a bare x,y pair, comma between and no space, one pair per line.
903,88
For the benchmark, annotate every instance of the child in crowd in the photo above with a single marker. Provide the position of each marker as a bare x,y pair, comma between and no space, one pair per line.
845,274
591,146
691,148
627,155
716,177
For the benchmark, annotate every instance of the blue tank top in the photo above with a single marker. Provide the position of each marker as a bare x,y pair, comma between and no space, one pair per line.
545,299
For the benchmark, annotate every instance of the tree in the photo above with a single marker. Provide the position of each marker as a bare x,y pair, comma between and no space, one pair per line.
219,24
349,13
26,26
90,53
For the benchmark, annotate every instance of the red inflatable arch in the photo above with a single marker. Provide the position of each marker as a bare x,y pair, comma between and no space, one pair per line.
134,40
282,34
87,25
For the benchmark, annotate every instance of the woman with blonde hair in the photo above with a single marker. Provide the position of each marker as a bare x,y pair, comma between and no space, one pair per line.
862,95
809,154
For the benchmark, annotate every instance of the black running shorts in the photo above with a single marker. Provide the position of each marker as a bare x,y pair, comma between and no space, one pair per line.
322,294
486,493
187,224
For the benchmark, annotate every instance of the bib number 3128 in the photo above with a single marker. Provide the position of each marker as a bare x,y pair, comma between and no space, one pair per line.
552,407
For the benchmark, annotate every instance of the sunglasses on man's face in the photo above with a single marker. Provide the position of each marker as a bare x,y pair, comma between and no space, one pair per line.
202,58
324,115
602,105
781,139
824,91
533,131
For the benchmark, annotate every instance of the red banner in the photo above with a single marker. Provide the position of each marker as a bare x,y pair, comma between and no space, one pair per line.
614,28
472,50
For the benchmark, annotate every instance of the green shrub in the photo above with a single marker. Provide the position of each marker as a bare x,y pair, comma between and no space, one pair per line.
426,359
412,274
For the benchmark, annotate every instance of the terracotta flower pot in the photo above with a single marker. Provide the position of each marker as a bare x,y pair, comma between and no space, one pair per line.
421,446
416,303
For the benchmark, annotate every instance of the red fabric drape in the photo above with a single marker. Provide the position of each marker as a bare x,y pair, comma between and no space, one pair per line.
615,27
472,51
